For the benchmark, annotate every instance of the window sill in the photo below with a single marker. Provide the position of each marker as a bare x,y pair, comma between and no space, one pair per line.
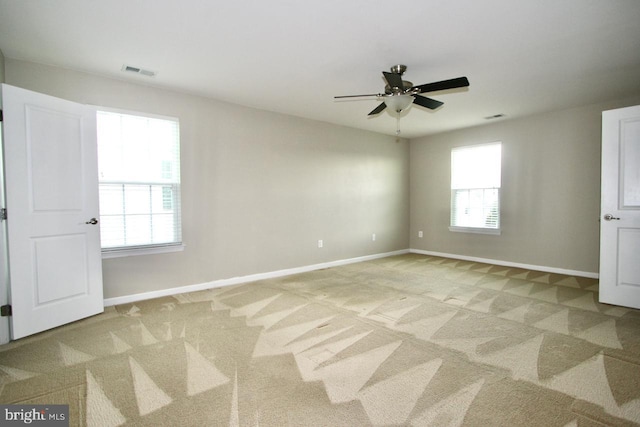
150,250
476,230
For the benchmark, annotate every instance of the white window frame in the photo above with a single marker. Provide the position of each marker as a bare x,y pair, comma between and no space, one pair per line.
479,230
146,249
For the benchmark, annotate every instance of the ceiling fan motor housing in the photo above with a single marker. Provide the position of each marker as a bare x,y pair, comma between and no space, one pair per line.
406,86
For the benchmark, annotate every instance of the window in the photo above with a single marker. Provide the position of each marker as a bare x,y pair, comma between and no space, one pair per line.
475,188
139,179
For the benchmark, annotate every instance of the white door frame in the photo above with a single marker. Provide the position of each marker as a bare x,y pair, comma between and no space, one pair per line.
5,330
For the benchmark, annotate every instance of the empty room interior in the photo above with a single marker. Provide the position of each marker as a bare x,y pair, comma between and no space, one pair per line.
316,213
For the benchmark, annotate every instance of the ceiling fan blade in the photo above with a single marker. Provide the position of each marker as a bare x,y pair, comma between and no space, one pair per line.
429,103
394,80
356,96
443,85
378,109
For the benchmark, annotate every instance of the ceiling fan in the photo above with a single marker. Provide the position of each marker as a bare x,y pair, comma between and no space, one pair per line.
400,94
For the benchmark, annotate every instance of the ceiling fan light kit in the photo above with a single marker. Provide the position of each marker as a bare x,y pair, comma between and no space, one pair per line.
400,94
398,102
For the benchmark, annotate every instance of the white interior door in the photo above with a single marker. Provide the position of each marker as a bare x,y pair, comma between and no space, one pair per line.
51,180
620,208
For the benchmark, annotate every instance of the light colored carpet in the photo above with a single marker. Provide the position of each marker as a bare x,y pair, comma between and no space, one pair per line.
404,340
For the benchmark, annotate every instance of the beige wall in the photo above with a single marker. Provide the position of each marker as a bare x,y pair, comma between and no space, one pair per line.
258,188
550,190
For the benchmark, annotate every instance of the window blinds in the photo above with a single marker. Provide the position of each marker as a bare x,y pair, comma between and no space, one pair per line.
139,178
475,186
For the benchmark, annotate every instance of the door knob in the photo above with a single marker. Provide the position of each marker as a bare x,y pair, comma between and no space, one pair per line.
609,217
92,221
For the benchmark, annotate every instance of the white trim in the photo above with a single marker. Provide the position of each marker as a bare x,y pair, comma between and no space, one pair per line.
510,264
243,279
287,272
134,113
5,329
477,230
151,250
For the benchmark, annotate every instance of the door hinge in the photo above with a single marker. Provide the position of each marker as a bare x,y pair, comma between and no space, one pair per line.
1,116
3,214
5,310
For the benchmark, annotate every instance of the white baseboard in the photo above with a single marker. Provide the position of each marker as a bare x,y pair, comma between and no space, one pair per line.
287,272
243,279
510,264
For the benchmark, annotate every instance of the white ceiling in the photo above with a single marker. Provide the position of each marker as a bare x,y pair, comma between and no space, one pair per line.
292,56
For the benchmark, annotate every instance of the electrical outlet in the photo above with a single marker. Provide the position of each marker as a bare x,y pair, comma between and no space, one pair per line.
320,243
420,234
373,237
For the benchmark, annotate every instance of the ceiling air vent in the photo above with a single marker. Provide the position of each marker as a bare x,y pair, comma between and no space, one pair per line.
137,70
